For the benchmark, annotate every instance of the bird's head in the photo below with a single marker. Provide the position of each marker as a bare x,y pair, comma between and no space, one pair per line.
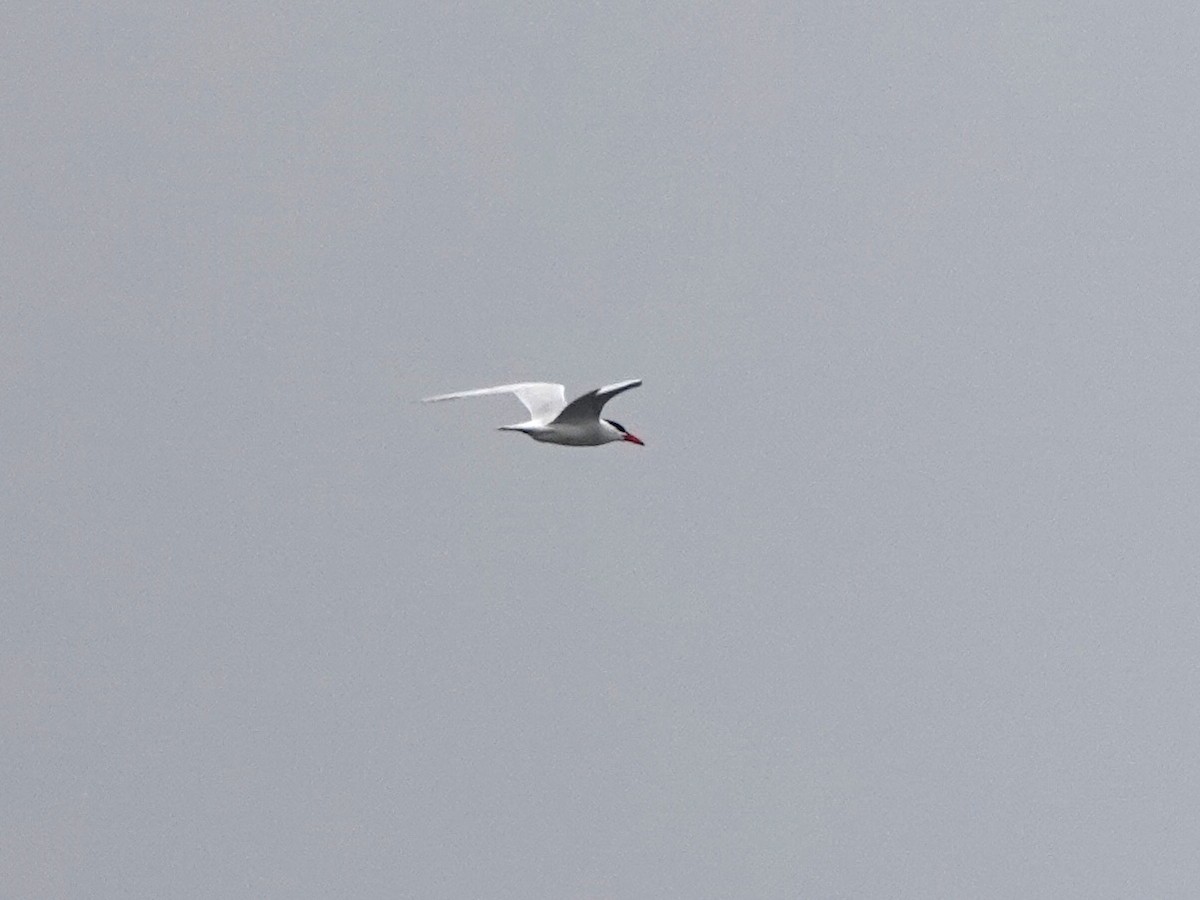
621,434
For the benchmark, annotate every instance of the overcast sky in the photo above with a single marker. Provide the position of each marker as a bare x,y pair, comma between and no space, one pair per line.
899,600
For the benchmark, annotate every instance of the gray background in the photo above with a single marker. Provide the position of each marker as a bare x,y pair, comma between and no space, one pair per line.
899,600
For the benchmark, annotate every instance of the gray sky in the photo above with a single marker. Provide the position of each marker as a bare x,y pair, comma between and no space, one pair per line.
899,600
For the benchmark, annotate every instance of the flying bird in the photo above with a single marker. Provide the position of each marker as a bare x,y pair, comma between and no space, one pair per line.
554,421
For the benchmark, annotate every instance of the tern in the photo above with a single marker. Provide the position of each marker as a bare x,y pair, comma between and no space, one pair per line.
553,420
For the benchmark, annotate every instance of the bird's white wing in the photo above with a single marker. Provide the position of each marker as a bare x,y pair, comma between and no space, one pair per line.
587,407
544,401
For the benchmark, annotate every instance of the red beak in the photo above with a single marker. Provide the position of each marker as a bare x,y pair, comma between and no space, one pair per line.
634,439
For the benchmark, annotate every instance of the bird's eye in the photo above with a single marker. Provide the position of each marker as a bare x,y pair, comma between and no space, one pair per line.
617,425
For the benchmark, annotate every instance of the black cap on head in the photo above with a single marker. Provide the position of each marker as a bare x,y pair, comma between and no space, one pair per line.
617,425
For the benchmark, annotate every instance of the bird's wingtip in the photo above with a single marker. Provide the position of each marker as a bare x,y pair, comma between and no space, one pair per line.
620,386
